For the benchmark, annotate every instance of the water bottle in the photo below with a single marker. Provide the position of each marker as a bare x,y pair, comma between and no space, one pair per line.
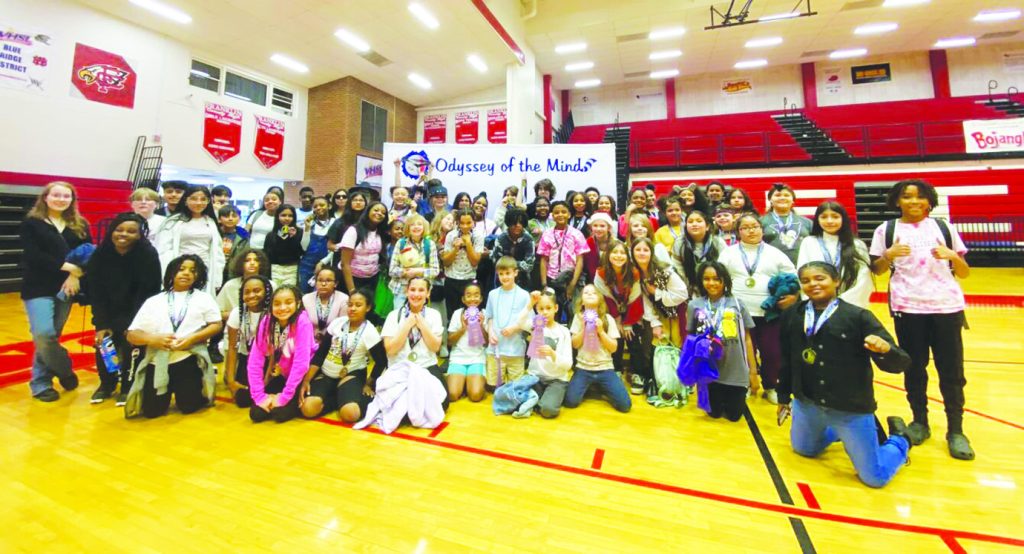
109,355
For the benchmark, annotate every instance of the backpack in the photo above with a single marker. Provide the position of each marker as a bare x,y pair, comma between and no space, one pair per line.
669,391
890,238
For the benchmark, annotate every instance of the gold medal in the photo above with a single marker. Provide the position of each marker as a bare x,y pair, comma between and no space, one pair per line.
751,282
412,356
809,355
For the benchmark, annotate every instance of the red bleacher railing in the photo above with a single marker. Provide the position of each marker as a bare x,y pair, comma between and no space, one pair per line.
914,141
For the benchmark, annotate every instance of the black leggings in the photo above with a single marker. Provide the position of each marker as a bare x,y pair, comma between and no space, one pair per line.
336,394
917,333
243,398
727,400
279,414
126,355
185,383
640,352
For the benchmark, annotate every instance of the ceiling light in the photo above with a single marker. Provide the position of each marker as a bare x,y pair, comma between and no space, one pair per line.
762,42
786,15
570,48
241,179
424,15
747,64
664,74
202,181
579,66
477,62
954,42
996,15
352,40
586,83
665,54
848,53
875,28
161,9
662,34
419,80
285,61
902,3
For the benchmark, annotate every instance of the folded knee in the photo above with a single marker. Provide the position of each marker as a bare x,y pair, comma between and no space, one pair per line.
350,413
549,413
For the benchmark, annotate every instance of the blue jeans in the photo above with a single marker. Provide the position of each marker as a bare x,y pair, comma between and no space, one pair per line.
815,427
607,379
46,318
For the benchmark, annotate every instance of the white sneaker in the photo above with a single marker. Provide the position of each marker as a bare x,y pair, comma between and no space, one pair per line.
771,396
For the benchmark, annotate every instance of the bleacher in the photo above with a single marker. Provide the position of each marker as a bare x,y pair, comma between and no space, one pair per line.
911,129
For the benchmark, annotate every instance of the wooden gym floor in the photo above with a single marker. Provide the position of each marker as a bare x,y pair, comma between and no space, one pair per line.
81,478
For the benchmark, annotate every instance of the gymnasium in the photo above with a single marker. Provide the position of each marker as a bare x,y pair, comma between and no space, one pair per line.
840,105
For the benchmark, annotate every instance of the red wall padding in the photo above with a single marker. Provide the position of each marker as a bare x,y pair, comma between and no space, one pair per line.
98,199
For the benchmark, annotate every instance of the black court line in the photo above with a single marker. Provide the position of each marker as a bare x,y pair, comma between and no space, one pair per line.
802,537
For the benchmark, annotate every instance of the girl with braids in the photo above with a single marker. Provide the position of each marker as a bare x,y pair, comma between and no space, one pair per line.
337,378
284,247
832,241
124,272
279,358
325,304
243,325
174,327
698,244
664,291
618,281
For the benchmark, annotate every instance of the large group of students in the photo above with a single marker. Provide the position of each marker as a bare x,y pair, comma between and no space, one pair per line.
342,305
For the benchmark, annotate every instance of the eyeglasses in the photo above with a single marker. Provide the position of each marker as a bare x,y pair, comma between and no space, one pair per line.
750,228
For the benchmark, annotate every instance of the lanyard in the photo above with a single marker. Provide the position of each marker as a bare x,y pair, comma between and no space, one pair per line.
811,327
715,314
414,334
779,225
829,259
751,268
177,319
346,352
323,313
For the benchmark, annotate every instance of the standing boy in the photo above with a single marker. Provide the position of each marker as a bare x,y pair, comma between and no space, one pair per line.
507,347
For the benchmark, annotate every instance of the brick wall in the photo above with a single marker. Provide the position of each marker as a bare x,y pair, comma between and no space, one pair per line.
332,130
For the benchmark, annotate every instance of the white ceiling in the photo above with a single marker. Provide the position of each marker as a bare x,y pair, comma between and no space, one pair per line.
603,23
248,32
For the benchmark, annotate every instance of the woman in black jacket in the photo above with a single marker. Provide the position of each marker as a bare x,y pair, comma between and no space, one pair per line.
827,349
123,272
52,228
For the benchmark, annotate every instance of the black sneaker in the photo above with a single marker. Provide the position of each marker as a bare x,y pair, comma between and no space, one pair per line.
68,383
898,428
100,395
122,399
918,432
959,446
637,384
48,395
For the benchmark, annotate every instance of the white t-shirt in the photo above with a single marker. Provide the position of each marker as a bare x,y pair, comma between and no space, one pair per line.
557,337
244,336
195,239
339,330
810,251
773,262
198,310
424,357
261,227
599,358
463,353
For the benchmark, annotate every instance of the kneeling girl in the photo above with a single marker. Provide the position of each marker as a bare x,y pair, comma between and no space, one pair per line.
279,358
594,363
337,379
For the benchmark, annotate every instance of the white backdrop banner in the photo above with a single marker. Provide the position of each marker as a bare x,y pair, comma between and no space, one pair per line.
491,168
994,135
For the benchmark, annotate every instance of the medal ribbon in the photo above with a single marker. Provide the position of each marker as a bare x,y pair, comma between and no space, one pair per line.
176,320
751,268
414,334
833,261
346,352
811,327
323,313
780,226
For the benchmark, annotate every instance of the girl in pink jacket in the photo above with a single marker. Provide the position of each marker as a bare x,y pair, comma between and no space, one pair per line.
279,358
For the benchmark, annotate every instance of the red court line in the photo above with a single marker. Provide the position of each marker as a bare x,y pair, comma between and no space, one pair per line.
598,460
437,430
704,495
968,410
808,495
26,346
954,546
1012,300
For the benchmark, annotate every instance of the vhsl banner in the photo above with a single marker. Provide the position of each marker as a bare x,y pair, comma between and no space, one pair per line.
994,135
492,168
